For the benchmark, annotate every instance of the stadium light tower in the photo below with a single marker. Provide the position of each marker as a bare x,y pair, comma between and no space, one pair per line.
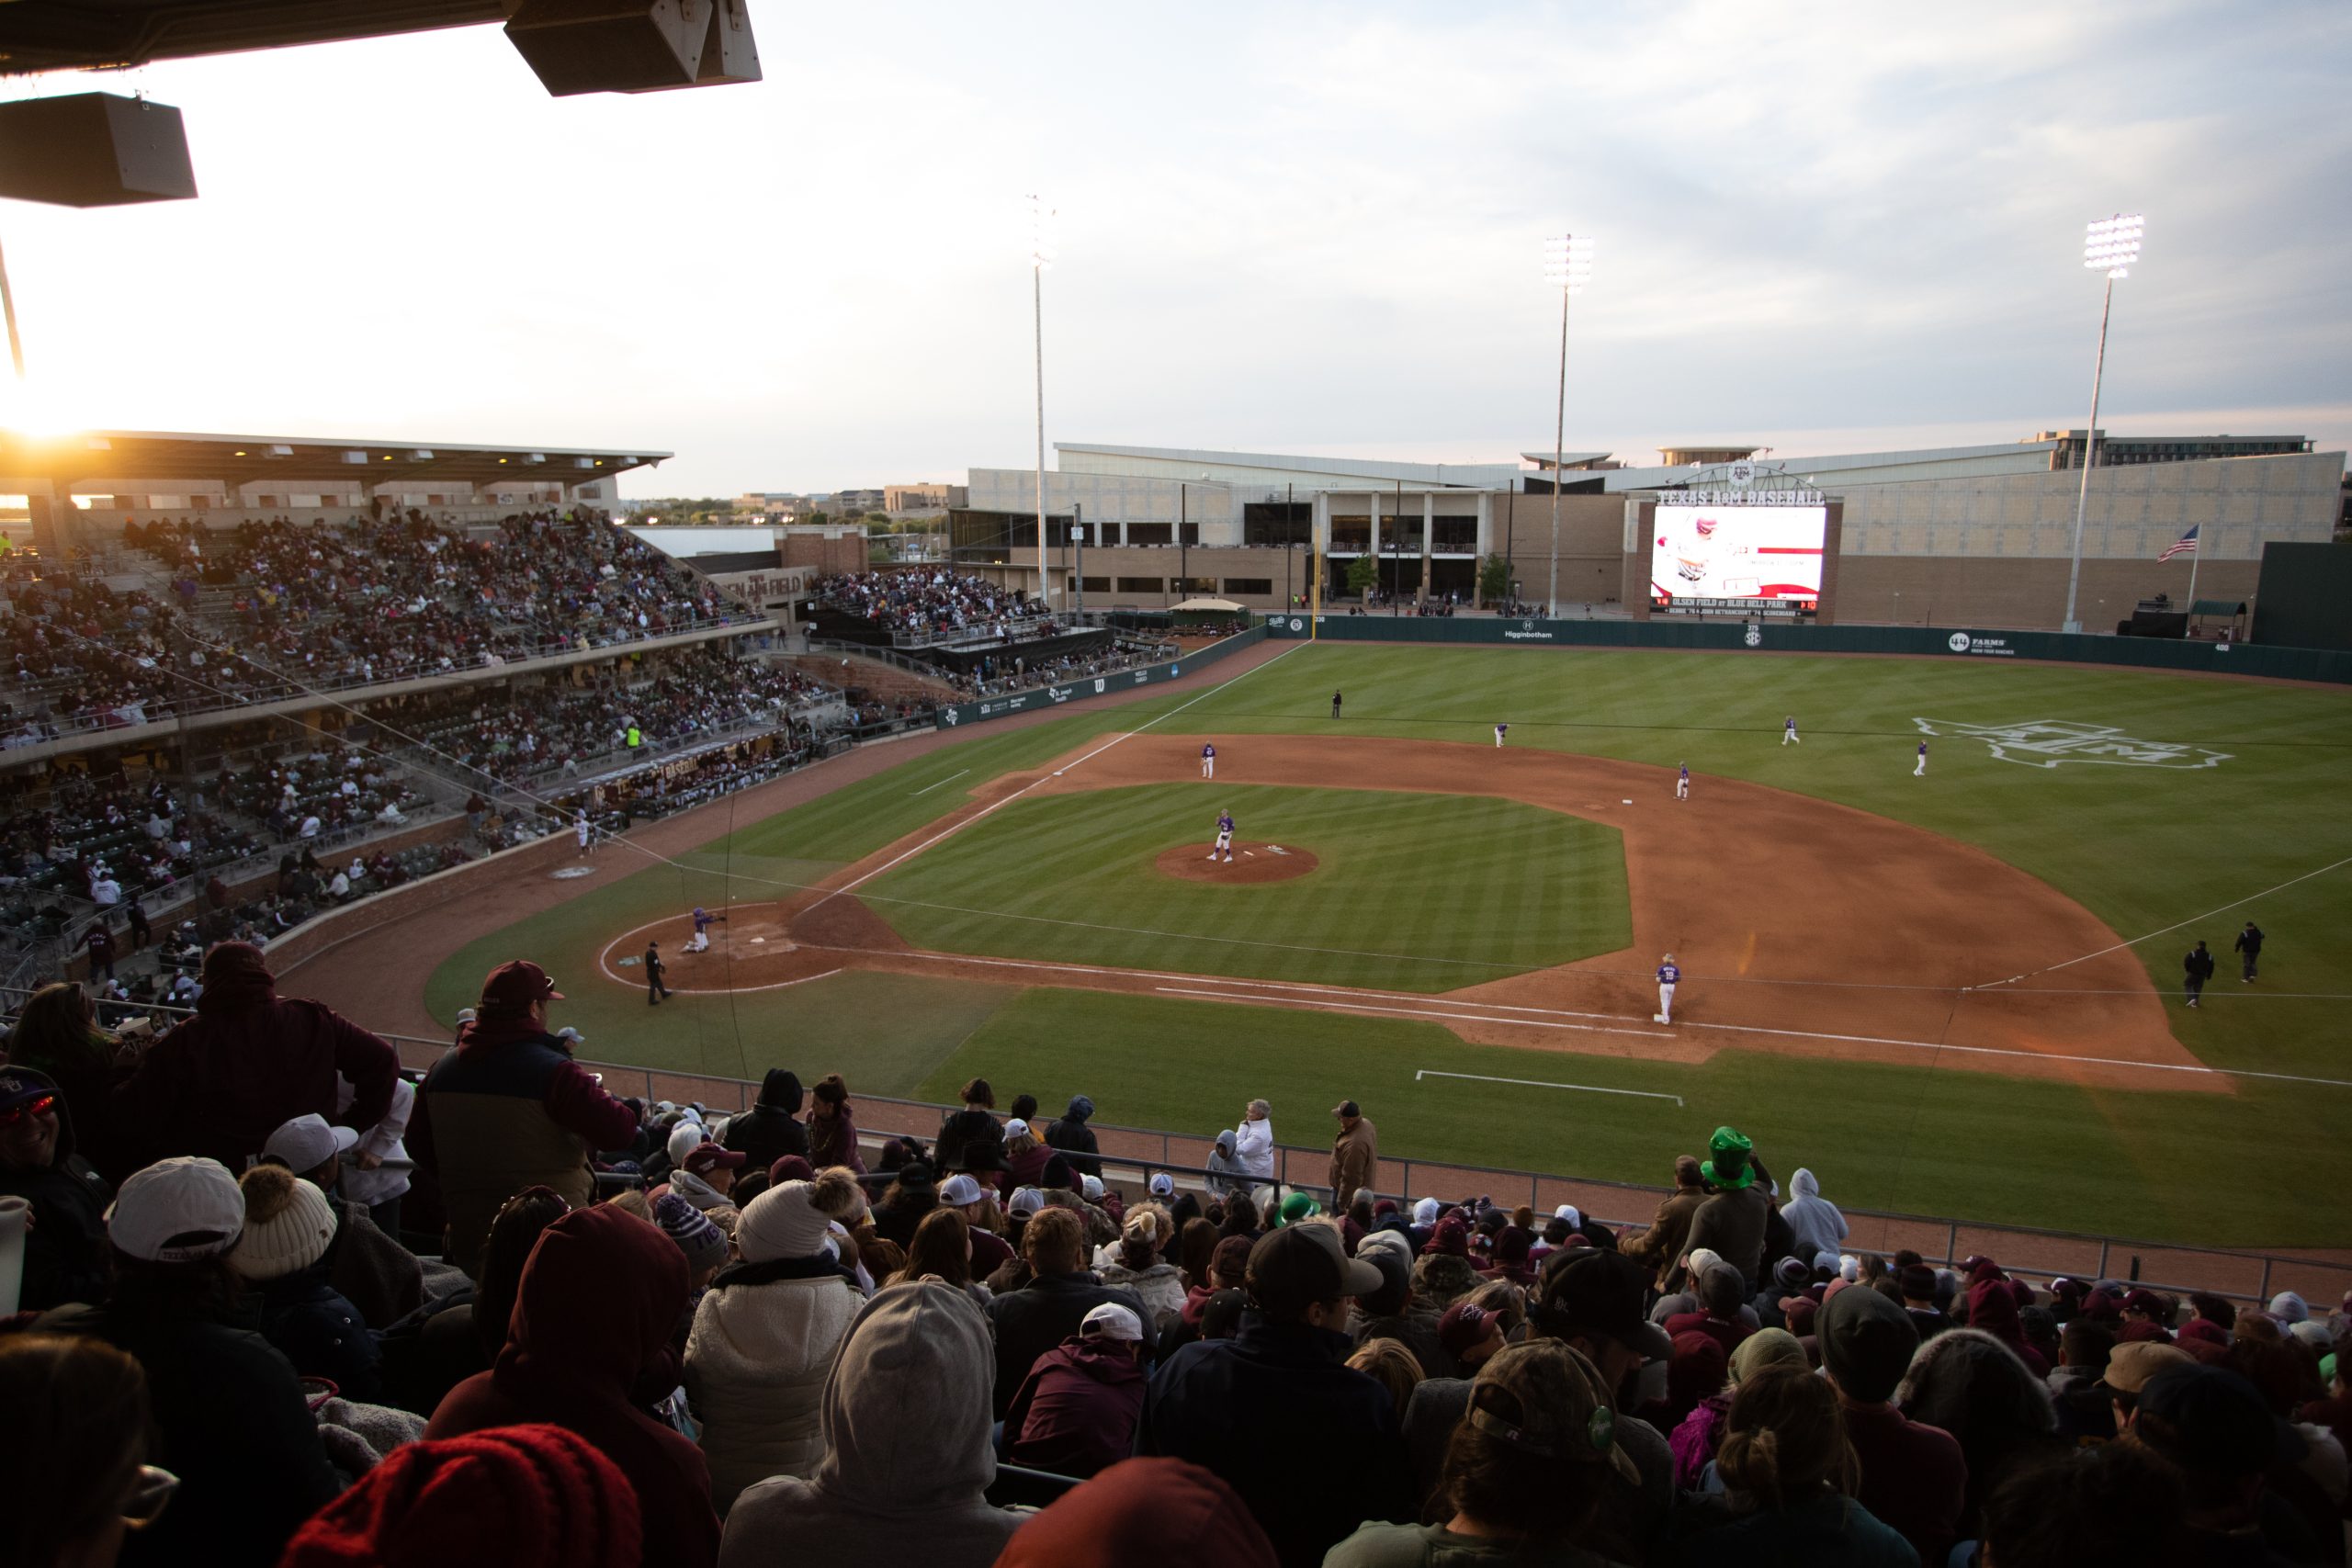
2109,245
1567,262
1041,256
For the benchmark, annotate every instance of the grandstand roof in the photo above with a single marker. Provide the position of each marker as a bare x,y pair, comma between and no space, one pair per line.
66,34
243,459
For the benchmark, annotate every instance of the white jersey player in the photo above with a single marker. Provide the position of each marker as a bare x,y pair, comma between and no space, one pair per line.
1224,836
1501,730
1208,761
1683,784
582,831
1921,771
1669,975
1789,732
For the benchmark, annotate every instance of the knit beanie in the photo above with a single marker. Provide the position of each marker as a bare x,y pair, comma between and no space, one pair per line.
684,1139
783,1222
521,1497
1867,1343
703,1243
289,1225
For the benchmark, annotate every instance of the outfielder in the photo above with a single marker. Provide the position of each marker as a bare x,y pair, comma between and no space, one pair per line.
1789,731
1669,975
1224,836
1208,761
1501,730
1683,784
1921,771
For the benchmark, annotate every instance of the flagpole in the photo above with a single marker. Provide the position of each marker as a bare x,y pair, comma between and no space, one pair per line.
2195,555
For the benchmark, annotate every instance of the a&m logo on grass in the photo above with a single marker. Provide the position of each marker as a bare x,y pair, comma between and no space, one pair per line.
2046,742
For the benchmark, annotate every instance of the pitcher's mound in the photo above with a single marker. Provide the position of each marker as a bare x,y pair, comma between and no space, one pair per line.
1250,862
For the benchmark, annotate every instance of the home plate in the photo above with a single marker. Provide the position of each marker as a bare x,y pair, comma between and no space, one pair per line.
759,938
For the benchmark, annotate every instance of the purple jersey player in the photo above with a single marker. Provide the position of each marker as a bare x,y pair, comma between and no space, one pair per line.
1208,761
1224,836
1669,975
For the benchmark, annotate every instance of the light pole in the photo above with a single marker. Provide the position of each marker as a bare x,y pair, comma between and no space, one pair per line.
2109,245
1567,261
1041,256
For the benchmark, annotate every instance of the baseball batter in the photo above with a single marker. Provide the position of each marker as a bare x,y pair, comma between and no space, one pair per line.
1669,975
700,940
1224,836
582,831
1921,771
1208,761
1683,784
1501,730
1789,731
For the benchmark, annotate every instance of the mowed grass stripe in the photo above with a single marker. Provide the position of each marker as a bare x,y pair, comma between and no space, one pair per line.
1421,892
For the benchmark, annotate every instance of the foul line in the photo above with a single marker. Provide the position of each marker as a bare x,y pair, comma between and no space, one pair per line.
1536,1083
955,828
949,779
2233,904
1409,1012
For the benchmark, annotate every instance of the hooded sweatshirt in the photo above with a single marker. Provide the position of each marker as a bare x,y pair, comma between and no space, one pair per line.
65,1251
763,1342
1076,1413
772,1129
1228,1173
597,1302
906,1453
1144,1513
1814,1223
1074,1138
220,1083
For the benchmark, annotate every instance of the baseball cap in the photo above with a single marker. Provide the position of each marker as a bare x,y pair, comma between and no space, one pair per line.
1542,1398
22,1086
2212,1420
177,1211
517,984
1346,1107
1867,1342
2133,1364
1296,1207
1293,1267
710,1157
1112,1321
1231,1259
1092,1186
1584,1290
308,1142
958,1190
1026,1200
1162,1184
1463,1327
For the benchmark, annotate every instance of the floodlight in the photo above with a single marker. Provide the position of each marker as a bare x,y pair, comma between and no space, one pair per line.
1567,261
2112,244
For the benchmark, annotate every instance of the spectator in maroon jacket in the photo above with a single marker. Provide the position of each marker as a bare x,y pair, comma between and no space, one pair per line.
507,1108
598,1300
244,1066
1721,1292
1076,1412
1914,1478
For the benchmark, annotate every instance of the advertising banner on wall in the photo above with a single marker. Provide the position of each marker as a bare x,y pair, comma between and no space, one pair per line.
1727,559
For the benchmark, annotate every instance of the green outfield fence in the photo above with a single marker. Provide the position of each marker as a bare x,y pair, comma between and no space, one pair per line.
1785,637
1130,1154
955,716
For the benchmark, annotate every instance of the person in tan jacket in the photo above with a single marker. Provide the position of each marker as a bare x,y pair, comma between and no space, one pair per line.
1661,1246
1355,1153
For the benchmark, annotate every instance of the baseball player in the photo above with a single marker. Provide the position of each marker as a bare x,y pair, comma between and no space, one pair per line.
1683,784
1335,704
1224,836
1501,730
2249,942
1921,771
1669,975
700,942
1789,731
1208,761
582,831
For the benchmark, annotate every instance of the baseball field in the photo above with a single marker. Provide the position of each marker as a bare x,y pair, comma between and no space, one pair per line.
1956,994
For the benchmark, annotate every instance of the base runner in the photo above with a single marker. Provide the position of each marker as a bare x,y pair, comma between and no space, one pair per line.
1669,975
1224,836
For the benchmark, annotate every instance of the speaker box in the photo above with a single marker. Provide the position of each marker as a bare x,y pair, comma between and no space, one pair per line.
94,150
633,46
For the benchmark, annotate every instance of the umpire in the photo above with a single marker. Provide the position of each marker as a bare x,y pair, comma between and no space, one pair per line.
2249,945
655,990
2196,969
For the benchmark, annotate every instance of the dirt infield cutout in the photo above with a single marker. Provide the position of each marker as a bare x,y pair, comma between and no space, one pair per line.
1250,864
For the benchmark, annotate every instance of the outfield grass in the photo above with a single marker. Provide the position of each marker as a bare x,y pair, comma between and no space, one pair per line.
1415,892
2142,848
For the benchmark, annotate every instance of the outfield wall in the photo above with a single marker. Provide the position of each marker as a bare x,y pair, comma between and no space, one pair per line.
955,716
1782,637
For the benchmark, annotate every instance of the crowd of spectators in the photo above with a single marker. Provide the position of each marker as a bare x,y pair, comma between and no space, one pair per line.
935,602
81,653
105,842
282,1304
328,793
998,675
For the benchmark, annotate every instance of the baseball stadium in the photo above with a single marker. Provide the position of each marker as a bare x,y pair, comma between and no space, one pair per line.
1164,1002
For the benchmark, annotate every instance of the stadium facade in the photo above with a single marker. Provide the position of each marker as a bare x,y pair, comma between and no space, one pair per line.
1979,535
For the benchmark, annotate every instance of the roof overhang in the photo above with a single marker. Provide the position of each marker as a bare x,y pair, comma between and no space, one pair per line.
235,460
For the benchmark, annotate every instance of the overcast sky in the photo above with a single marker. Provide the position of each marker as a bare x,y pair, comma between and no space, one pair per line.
1291,228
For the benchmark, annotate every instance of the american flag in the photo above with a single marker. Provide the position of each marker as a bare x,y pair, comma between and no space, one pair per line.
2184,546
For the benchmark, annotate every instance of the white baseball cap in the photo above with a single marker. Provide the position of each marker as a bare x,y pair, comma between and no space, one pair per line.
177,1211
1015,1127
308,1142
1026,1201
1093,1185
1163,1184
959,1190
1112,1321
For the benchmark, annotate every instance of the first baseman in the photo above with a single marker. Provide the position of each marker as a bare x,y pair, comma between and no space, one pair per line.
1224,836
1789,731
1208,761
1683,784
1669,975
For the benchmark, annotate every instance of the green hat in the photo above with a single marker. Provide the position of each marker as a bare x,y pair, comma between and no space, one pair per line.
1296,1207
2327,1365
1729,1170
